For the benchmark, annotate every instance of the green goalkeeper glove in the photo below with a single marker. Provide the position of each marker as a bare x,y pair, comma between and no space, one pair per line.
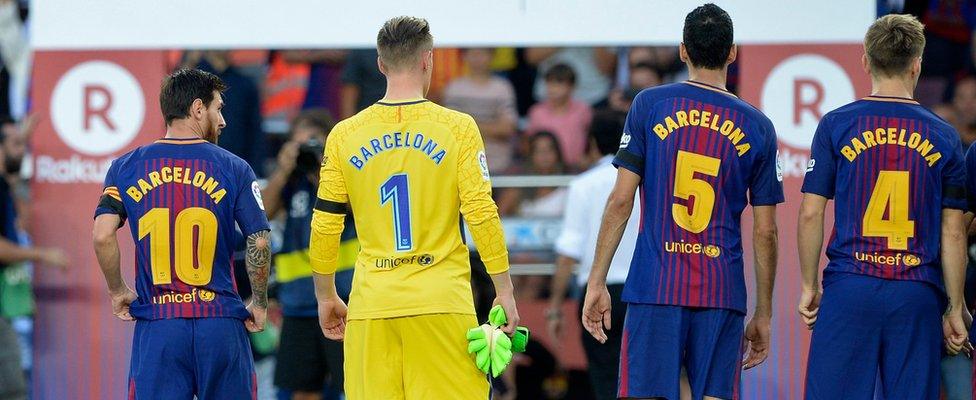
492,347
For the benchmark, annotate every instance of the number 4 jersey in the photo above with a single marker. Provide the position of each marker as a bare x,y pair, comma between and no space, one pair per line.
182,198
701,153
891,166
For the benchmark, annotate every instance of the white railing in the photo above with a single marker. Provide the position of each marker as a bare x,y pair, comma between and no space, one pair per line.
529,181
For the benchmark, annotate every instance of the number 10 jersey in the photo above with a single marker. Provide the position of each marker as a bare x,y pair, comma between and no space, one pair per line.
891,166
701,153
182,198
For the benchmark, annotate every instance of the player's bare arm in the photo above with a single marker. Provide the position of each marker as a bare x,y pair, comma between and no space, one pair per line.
764,234
258,261
954,260
596,306
809,237
107,251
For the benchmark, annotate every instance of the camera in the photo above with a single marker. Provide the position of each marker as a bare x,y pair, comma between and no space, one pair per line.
309,156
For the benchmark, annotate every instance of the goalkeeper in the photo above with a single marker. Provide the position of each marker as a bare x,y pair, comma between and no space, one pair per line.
408,169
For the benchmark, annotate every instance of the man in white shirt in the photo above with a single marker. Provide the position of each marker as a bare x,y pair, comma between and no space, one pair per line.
586,200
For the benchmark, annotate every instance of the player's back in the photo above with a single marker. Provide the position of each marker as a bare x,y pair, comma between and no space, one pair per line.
182,198
703,154
400,165
891,166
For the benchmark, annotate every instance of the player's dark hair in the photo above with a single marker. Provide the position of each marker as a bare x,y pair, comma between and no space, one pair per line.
401,41
561,73
182,87
606,129
708,36
892,43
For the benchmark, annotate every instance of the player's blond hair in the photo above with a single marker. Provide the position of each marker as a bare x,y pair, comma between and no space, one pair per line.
402,40
892,43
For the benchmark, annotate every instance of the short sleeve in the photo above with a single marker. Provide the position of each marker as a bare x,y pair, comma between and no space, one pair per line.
110,202
766,187
821,176
572,237
954,177
632,144
249,208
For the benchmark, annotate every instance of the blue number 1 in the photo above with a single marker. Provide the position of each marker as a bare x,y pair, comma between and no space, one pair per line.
395,189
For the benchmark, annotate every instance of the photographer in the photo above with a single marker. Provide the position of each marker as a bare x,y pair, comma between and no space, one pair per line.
306,359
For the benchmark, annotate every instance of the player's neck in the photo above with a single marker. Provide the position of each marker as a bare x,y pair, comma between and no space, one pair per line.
711,77
403,88
180,129
893,87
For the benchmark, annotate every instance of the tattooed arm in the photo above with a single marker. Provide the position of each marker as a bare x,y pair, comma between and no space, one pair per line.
258,260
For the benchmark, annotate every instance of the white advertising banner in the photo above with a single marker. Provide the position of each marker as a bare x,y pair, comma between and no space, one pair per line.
145,24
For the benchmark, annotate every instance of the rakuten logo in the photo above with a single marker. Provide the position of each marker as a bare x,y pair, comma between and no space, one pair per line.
71,170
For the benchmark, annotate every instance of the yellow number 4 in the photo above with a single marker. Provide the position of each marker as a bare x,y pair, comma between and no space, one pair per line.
891,194
201,221
686,186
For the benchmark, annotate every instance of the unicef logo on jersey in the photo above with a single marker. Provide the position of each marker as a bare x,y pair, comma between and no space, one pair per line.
425,260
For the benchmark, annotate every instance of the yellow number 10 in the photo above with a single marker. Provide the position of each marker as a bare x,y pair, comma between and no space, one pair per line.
890,193
687,186
196,272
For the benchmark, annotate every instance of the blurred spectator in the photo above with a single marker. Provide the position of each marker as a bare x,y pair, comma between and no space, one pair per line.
593,67
16,299
963,106
490,100
545,158
16,55
362,82
324,77
243,135
948,113
562,115
641,76
306,359
664,60
448,66
581,224
284,89
948,36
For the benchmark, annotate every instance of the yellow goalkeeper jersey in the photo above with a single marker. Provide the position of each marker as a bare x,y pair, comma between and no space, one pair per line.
408,171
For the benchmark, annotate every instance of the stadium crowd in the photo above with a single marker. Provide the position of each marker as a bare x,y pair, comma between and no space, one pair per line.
534,108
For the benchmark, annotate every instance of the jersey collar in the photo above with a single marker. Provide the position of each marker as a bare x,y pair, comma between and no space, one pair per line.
892,99
401,102
709,87
180,141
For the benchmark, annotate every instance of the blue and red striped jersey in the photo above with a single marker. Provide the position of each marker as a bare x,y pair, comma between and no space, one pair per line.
186,200
702,153
891,166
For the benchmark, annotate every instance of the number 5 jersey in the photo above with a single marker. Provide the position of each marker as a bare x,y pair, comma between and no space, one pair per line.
182,198
891,166
701,153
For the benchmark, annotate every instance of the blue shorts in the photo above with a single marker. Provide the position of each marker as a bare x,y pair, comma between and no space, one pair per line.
872,330
176,359
658,340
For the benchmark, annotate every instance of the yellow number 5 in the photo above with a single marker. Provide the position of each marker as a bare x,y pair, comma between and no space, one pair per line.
686,186
193,271
890,193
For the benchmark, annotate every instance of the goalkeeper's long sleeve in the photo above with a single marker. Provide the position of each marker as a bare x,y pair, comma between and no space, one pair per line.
329,215
477,206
